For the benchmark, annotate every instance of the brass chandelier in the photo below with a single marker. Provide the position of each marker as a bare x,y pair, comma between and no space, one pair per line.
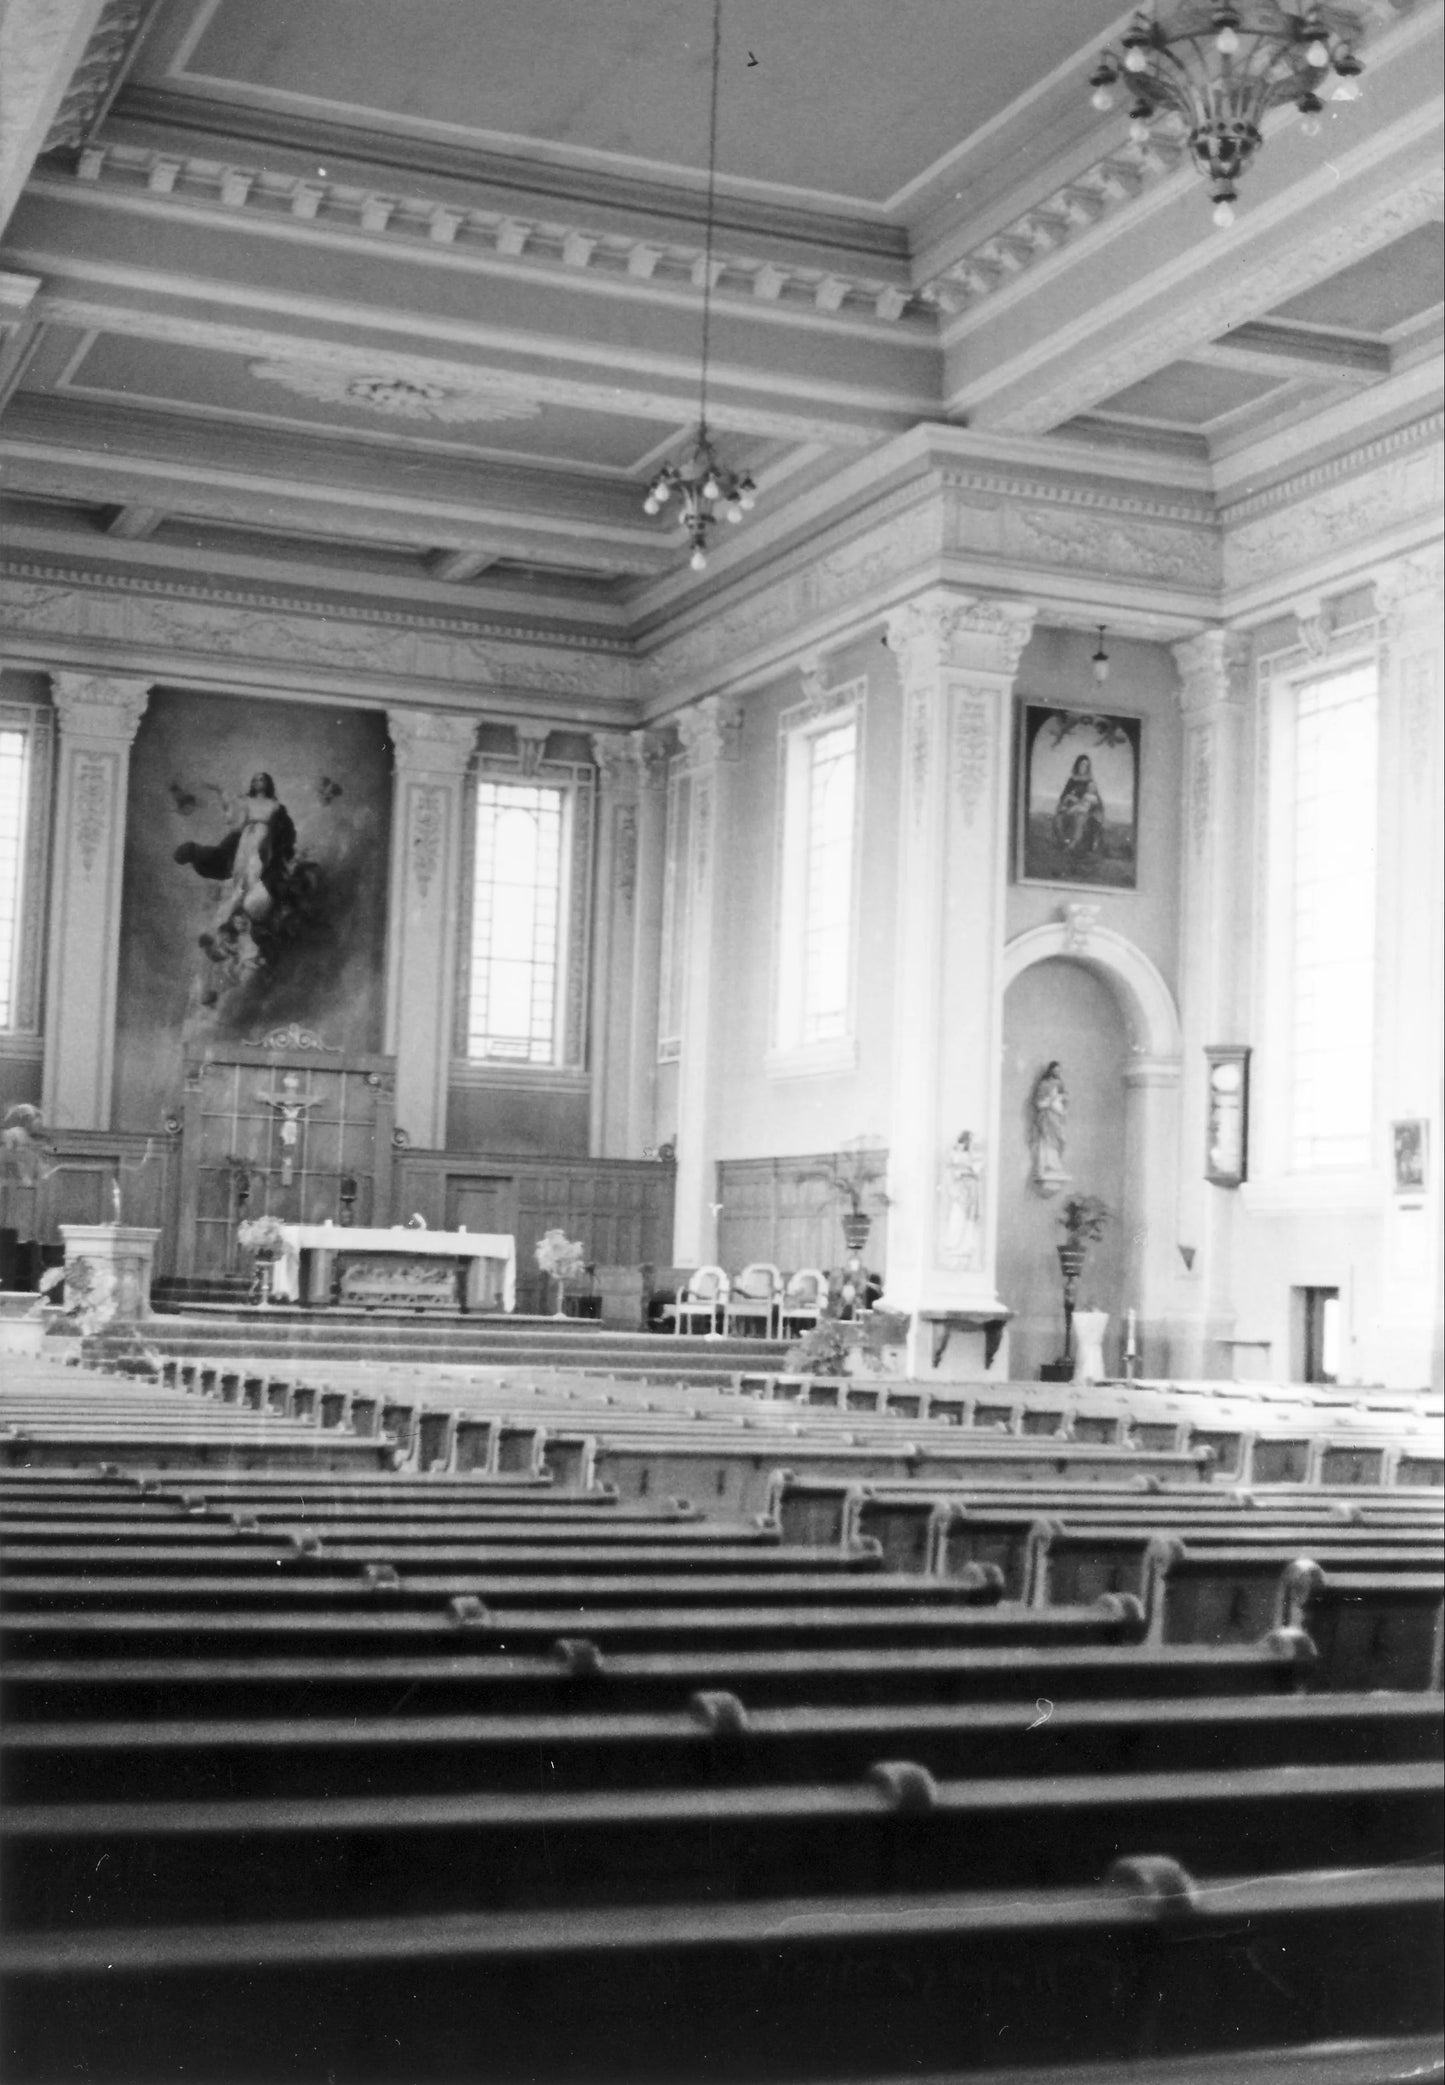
701,483
1219,71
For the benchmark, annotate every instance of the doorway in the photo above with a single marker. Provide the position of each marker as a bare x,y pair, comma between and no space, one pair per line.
1318,1317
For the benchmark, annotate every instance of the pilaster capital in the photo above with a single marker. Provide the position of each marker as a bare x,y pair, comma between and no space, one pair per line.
711,730
99,705
1213,670
432,742
974,633
1411,590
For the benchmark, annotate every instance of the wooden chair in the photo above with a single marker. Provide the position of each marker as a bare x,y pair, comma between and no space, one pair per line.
801,1304
753,1300
701,1300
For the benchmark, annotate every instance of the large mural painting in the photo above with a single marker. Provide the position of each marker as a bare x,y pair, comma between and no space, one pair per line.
256,856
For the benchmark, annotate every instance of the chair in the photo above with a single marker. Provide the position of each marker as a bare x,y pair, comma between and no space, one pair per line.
753,1299
701,1298
802,1301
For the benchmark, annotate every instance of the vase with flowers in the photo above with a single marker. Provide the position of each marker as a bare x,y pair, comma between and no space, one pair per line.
854,1174
560,1258
265,1237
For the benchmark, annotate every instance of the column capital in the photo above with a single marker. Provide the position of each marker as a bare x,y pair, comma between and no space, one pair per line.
436,742
104,706
711,730
1213,670
1410,589
628,760
973,633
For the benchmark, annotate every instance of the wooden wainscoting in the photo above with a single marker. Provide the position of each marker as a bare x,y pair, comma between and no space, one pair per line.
772,1211
619,1209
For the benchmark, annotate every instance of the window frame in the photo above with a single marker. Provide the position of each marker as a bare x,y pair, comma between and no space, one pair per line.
575,783
36,722
1278,1182
792,1053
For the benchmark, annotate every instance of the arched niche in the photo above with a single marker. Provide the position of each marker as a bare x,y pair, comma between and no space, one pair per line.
1150,1071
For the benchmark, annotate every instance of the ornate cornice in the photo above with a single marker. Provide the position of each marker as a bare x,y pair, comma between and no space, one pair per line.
98,74
516,239
1286,492
99,705
368,647
1339,508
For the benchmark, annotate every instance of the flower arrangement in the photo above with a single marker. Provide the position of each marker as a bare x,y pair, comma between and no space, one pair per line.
262,1234
855,1177
823,1349
559,1255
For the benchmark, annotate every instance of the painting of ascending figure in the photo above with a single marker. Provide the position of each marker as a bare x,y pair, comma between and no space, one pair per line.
257,844
1078,798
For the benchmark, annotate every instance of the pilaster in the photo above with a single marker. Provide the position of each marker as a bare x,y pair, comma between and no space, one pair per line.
432,751
957,655
1409,598
1213,970
709,734
649,869
98,715
626,762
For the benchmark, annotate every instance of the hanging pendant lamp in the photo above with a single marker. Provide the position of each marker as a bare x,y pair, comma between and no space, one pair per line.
703,485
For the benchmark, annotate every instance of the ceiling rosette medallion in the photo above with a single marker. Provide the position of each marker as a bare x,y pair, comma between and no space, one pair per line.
398,397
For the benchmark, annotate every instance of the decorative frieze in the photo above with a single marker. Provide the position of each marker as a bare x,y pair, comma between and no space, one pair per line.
1340,507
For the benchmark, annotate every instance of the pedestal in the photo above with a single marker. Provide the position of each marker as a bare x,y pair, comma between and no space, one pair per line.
119,1260
1089,1329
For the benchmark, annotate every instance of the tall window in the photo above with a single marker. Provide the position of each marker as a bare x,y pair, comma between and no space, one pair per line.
816,921
1333,928
516,955
14,788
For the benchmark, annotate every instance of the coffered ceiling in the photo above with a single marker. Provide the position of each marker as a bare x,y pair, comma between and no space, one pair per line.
406,297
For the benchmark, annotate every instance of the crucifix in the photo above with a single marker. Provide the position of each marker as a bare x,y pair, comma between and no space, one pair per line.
292,1111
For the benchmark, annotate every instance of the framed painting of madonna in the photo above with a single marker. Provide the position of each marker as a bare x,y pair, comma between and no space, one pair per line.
1078,797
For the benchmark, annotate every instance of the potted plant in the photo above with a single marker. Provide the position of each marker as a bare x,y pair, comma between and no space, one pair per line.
855,1176
559,1257
1082,1219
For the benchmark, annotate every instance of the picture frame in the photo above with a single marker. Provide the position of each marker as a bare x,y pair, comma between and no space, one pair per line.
1078,779
1226,1137
1410,1156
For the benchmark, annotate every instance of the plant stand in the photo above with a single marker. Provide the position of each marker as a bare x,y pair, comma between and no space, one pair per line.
1071,1263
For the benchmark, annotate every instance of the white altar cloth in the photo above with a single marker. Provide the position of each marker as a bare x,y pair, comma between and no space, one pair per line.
309,1248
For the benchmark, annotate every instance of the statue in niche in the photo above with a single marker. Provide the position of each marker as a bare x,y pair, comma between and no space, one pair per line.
1048,1119
963,1196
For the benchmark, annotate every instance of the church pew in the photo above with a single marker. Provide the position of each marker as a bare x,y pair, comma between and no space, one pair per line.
714,1739
1090,1655
896,1828
1221,1595
933,1982
1372,1628
1074,1559
157,1448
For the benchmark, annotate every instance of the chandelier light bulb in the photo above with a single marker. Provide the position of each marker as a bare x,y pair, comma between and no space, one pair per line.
1135,60
1100,660
652,504
1102,98
710,486
1224,214
1347,90
698,560
1227,42
1139,130
1318,53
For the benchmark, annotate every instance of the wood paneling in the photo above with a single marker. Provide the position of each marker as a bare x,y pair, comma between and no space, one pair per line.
772,1211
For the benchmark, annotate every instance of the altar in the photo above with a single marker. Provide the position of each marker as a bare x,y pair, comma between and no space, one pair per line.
395,1269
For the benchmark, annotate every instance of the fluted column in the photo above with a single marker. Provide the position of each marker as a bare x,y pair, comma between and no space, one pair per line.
1213,975
1409,598
709,733
432,751
98,716
623,759
957,655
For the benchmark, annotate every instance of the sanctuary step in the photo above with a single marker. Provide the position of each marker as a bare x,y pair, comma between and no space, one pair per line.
477,1342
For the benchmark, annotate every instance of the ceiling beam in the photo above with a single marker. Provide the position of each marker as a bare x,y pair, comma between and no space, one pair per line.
1281,350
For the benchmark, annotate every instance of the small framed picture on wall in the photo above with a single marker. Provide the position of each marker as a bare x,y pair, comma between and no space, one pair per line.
1410,1155
1078,797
